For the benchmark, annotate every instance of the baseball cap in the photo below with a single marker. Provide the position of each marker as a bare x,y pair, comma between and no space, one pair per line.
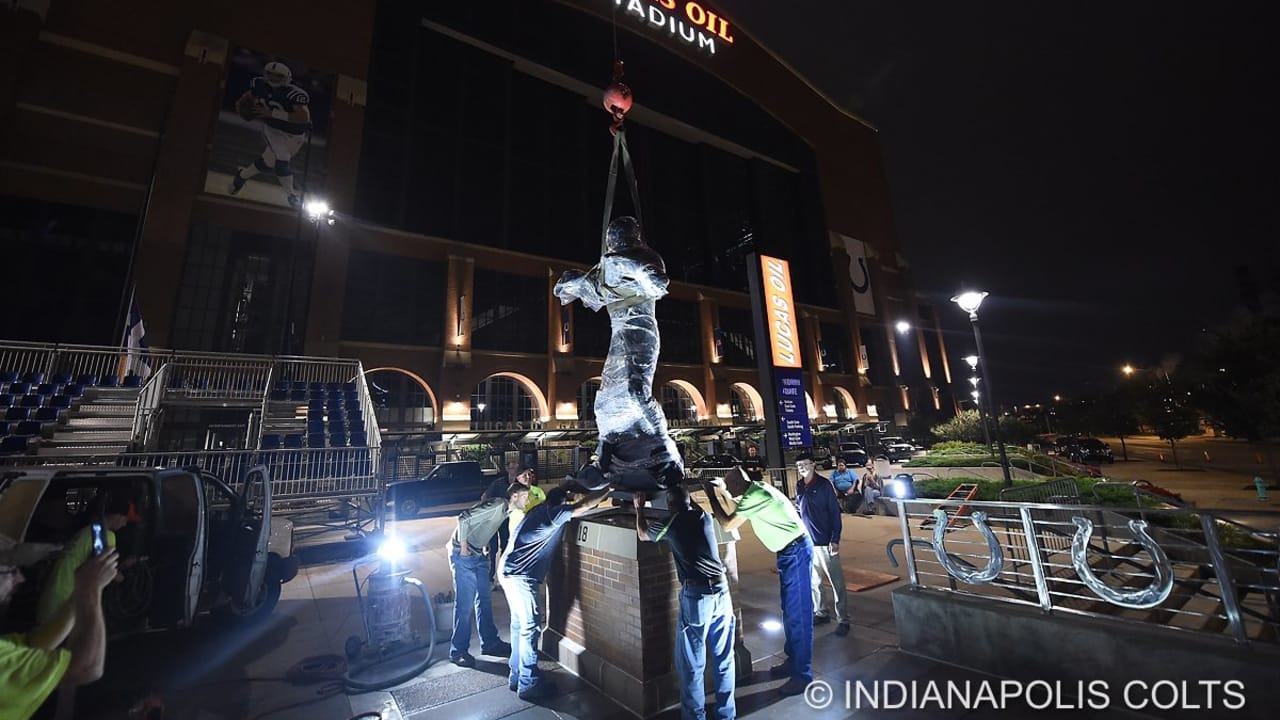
16,554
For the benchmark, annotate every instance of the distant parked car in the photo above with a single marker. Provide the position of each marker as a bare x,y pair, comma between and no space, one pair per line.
899,451
1086,450
854,457
449,483
713,462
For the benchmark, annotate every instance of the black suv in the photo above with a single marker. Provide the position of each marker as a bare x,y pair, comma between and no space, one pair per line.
1084,450
449,483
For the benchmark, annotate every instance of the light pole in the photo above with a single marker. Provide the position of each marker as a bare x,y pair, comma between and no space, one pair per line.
969,302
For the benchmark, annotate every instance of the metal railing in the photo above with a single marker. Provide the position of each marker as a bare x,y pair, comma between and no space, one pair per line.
1171,569
296,474
54,359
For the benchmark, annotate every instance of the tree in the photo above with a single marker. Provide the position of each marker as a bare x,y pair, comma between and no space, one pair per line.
966,426
1163,405
1239,379
1114,415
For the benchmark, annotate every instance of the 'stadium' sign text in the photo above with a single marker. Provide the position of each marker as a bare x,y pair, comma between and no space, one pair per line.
781,311
690,21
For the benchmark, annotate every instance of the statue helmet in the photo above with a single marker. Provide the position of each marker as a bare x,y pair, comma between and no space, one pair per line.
623,233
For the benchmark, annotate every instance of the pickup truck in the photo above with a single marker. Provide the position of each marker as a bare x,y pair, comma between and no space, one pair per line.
449,483
199,545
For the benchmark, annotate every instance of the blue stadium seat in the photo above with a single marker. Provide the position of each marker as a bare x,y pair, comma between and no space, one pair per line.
34,377
316,387
278,394
132,381
338,439
315,440
62,378
359,439
28,428
333,388
6,400
31,401
47,388
108,381
315,425
293,441
12,444
17,413
4,428
8,376
48,414
270,442
87,379
60,401
19,388
74,390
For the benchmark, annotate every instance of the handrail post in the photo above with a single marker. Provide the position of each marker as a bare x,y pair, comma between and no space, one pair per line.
909,553
1228,586
1037,563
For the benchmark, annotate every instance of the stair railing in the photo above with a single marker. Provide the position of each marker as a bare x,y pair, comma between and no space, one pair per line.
149,399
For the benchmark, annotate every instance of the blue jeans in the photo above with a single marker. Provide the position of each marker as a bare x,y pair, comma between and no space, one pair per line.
472,591
706,629
795,568
526,629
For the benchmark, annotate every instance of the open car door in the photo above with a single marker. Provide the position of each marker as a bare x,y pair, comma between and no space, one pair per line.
257,494
183,521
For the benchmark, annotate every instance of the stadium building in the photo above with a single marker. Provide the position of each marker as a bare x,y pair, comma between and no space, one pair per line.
162,154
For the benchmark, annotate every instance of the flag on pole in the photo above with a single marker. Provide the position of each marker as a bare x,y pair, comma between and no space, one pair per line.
137,358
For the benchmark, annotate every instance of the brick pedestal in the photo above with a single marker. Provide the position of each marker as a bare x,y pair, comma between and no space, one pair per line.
612,612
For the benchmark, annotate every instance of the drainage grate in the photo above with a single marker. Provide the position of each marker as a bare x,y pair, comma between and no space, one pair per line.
437,691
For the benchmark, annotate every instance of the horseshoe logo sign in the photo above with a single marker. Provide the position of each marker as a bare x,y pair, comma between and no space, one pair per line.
861,264
1147,597
972,577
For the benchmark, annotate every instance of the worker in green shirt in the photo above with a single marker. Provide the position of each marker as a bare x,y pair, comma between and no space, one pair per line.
779,528
65,652
113,512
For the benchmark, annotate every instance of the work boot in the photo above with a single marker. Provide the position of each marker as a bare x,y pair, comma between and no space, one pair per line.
544,689
781,670
821,619
843,629
463,660
498,649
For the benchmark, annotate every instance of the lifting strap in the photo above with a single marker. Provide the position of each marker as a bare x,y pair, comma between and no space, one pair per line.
619,149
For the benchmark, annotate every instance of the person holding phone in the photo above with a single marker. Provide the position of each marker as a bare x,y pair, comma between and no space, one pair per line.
109,514
62,654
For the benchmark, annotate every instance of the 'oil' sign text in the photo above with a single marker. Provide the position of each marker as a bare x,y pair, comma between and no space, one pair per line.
688,20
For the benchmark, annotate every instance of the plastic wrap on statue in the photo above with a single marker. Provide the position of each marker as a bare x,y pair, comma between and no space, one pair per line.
635,450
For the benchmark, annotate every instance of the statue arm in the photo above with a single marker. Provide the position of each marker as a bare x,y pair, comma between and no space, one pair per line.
577,285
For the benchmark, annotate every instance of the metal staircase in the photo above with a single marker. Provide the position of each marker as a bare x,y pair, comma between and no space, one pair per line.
100,424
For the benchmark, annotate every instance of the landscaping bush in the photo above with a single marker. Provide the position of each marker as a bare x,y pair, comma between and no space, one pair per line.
957,447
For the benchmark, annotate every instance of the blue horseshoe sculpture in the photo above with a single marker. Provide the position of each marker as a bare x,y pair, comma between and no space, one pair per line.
972,577
1148,597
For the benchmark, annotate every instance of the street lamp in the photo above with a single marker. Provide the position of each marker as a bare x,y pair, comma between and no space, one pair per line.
903,327
319,211
1127,370
970,302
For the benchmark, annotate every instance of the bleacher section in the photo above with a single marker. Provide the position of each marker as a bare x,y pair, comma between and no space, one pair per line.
51,414
310,419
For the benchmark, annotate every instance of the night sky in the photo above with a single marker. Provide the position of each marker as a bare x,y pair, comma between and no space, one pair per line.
1100,168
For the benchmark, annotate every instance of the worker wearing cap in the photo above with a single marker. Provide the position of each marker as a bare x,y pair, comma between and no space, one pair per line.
116,511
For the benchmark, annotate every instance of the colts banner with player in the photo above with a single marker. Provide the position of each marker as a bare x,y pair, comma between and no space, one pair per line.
272,130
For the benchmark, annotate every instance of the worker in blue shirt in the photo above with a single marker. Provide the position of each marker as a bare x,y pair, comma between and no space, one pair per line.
820,511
